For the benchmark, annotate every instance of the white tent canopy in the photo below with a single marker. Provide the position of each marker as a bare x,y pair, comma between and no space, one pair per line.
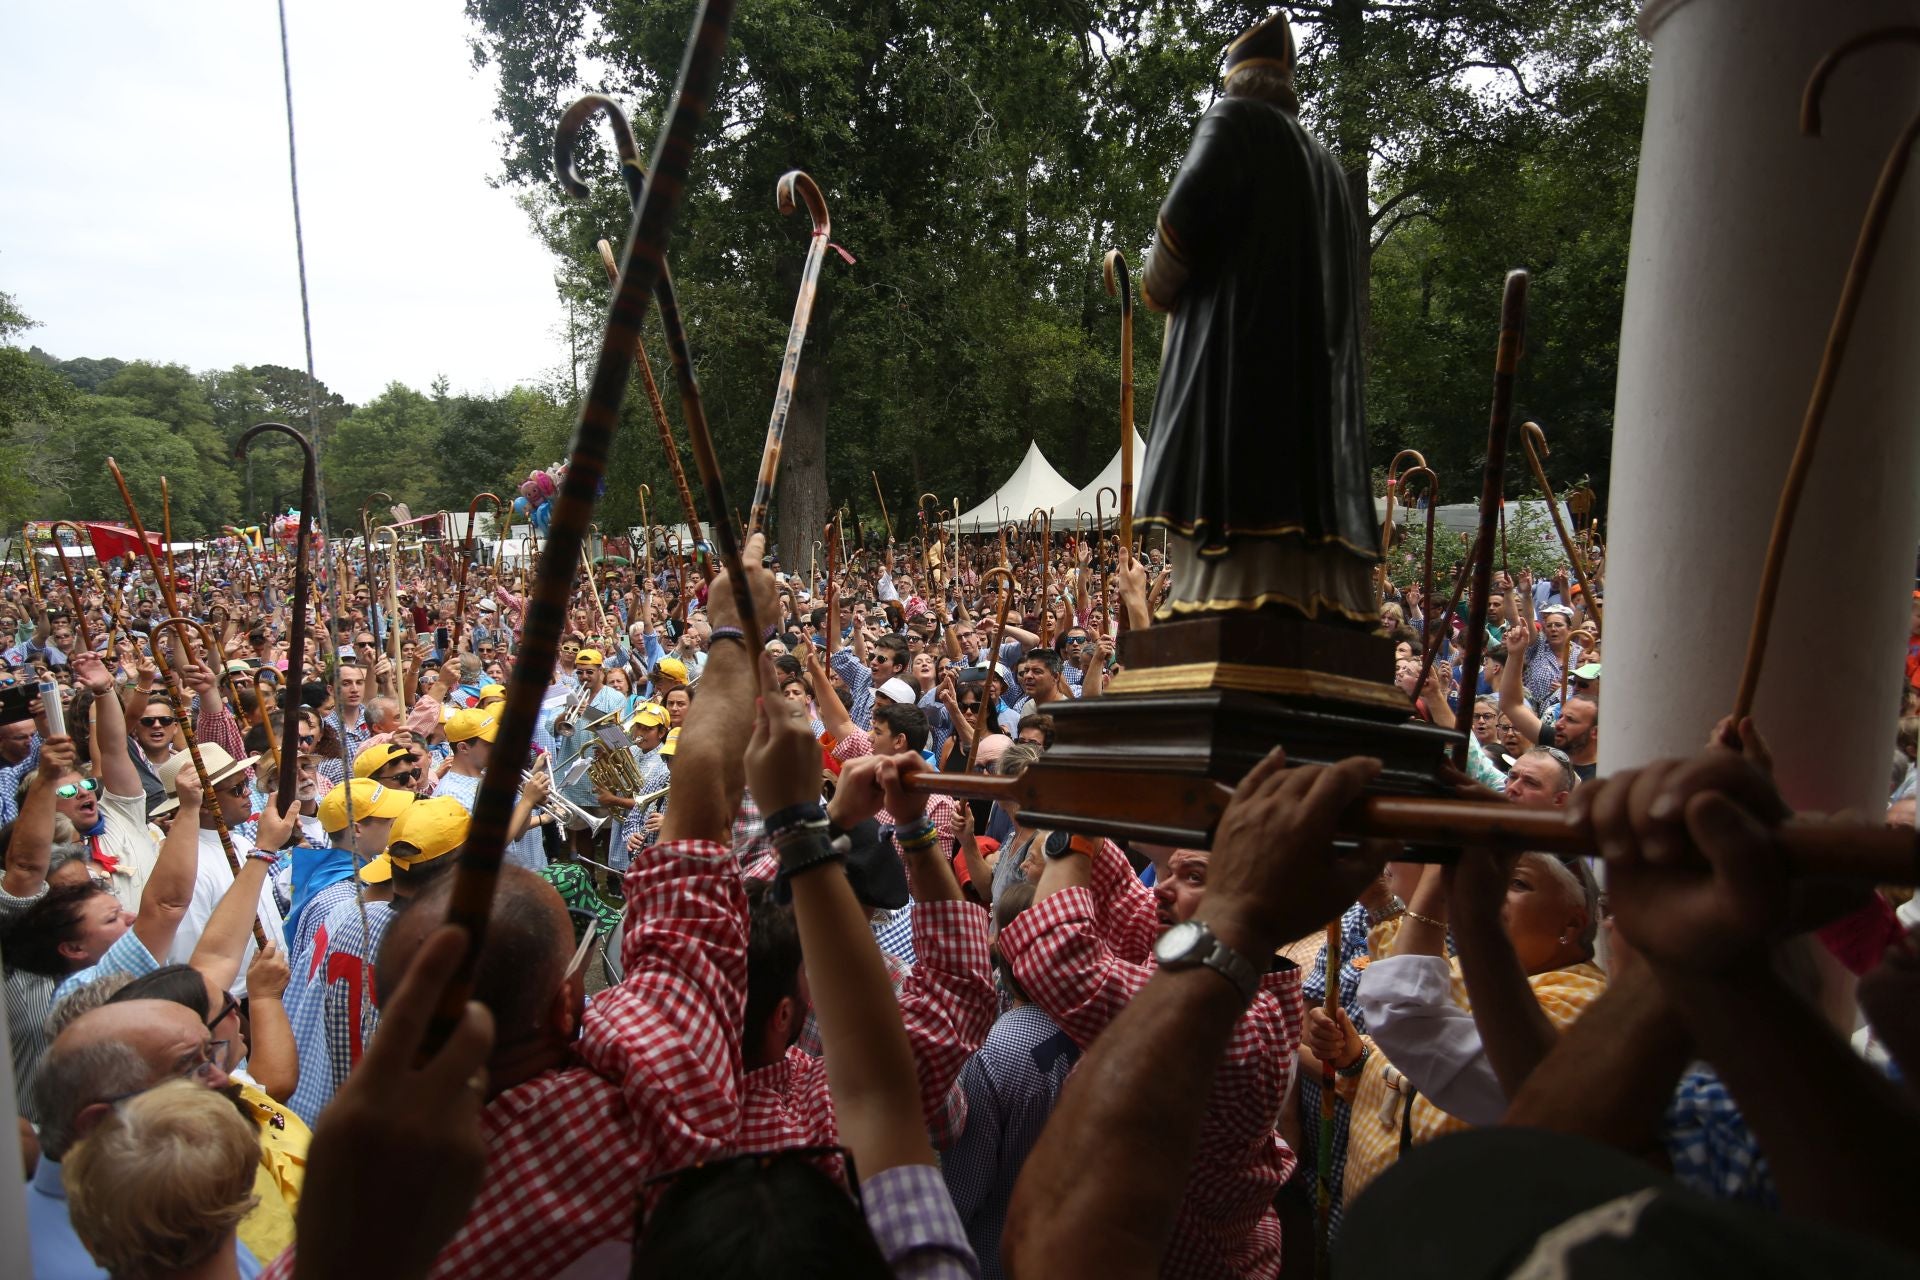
1066,512
1034,483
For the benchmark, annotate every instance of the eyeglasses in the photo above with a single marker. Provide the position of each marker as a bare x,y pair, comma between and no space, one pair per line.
156,722
238,789
227,1005
68,790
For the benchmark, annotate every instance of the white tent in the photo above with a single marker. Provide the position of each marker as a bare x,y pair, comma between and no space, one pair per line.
1034,483
1065,513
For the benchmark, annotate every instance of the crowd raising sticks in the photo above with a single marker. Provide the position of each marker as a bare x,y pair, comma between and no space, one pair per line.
744,910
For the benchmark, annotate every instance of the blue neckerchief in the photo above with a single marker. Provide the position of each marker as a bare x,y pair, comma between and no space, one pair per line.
314,870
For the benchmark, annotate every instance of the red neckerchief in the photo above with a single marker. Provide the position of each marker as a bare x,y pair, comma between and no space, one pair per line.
98,854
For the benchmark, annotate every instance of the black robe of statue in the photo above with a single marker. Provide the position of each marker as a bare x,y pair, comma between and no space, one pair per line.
1259,424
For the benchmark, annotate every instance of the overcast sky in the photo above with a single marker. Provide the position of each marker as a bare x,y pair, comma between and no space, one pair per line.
145,214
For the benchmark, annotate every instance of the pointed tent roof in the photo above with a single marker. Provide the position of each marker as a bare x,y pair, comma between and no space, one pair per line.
1034,483
1065,511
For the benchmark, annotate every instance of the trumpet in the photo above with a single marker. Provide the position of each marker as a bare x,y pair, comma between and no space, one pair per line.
562,810
570,711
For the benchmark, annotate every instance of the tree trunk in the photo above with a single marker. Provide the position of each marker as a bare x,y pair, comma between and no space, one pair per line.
800,494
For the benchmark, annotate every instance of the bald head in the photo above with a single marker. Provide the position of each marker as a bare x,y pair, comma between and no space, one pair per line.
107,1052
529,941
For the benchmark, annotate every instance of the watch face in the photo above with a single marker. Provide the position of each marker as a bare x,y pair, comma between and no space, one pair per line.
1176,944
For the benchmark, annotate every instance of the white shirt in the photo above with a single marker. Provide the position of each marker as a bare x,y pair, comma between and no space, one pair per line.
210,884
1407,1004
126,839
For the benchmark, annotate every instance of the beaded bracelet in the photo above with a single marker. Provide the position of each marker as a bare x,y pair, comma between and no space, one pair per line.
726,633
267,856
919,836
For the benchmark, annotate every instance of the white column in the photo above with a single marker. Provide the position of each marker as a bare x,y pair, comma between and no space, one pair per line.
1742,231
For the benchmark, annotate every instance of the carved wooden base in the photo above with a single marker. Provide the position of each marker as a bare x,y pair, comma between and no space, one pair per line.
1204,700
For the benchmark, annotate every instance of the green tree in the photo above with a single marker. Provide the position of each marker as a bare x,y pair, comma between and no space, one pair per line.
979,162
242,397
171,394
385,444
35,402
146,448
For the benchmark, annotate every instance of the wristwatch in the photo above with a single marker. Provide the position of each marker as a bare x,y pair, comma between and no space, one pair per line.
1192,944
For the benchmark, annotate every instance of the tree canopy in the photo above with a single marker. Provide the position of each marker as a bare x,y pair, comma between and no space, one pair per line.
977,162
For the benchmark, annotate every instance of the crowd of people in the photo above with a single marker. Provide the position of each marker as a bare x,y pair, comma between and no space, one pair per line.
753,1003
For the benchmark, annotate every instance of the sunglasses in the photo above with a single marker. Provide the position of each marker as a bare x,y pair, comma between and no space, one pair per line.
155,722
68,790
402,778
238,789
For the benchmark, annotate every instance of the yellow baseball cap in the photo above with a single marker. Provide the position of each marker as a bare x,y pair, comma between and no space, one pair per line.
468,723
377,757
431,828
588,658
370,800
493,691
672,668
650,714
672,744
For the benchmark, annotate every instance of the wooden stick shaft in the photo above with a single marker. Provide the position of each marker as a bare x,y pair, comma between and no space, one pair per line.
791,184
546,602
1513,323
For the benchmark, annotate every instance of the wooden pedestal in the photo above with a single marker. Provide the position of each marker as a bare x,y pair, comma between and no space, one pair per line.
1202,701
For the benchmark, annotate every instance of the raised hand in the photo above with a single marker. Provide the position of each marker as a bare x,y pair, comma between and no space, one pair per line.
1274,870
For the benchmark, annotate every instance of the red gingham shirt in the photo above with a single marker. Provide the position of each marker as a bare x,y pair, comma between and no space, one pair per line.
1083,953
948,1004
940,809
655,1085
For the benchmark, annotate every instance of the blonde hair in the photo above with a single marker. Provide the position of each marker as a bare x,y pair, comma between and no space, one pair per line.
162,1181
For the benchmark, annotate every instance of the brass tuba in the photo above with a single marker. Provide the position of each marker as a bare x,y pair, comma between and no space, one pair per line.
614,769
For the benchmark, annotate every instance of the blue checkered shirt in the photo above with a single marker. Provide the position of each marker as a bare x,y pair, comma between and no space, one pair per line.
1710,1146
859,683
1011,1085
338,985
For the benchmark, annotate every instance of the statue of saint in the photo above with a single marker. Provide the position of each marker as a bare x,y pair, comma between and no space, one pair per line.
1256,464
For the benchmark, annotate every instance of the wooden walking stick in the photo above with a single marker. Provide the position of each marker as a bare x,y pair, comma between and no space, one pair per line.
182,628
1429,623
546,608
792,183
1386,524
1530,436
466,555
646,533
1513,327
1118,284
66,571
990,658
1866,247
288,792
634,174
668,446
883,504
166,529
1100,525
